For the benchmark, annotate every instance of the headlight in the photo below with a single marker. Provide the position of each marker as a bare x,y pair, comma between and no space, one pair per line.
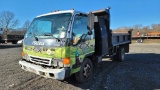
57,63
60,64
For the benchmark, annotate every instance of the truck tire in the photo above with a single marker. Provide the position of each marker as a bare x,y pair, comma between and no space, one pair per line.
85,72
121,54
14,42
5,42
140,40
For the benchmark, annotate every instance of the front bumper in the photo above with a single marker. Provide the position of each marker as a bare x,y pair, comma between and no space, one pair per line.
59,74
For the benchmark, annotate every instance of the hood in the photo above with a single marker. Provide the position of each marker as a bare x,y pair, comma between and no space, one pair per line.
47,48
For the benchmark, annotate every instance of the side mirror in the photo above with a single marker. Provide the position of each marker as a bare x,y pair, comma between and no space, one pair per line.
90,25
89,32
83,37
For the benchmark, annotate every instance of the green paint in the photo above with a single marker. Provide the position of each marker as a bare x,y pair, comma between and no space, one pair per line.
77,53
63,52
74,70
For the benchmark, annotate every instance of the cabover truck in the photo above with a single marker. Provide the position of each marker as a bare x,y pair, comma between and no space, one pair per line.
64,43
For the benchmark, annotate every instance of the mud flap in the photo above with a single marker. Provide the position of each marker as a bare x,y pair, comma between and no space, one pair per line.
99,58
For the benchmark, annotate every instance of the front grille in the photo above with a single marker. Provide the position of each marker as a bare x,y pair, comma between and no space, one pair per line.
41,61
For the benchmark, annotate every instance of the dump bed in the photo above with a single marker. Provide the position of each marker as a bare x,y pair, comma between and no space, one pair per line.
105,40
121,38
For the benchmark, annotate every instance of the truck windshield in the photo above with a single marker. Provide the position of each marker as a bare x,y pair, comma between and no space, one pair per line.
49,26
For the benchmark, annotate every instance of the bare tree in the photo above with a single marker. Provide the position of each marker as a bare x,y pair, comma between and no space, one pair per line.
7,20
137,26
155,27
26,25
145,29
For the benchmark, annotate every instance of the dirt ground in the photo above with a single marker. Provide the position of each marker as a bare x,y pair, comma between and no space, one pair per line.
139,71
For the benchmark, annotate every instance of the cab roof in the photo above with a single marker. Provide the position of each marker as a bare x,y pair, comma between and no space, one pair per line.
59,12
101,12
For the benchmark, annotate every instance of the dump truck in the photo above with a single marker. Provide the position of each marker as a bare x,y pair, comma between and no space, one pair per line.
64,43
10,36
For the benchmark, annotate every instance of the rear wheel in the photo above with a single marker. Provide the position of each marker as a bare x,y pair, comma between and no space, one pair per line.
85,72
120,55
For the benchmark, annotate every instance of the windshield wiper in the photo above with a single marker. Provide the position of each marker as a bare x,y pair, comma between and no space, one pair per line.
34,35
48,34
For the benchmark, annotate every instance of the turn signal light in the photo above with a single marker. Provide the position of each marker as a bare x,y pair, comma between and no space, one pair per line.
22,54
66,61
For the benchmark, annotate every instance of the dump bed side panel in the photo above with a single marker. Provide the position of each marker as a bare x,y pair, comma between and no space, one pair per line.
121,38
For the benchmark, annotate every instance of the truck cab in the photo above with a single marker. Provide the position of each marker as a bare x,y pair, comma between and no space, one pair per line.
56,44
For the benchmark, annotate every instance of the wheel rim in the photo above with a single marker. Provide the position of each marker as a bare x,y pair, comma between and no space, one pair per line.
86,70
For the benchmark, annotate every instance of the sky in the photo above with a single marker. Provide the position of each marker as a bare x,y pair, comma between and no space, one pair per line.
123,12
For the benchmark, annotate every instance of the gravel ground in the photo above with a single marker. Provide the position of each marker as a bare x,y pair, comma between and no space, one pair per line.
139,71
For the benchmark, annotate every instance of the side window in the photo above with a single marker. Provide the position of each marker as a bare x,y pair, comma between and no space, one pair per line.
79,28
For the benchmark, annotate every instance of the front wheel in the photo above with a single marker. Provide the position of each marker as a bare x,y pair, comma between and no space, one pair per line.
85,72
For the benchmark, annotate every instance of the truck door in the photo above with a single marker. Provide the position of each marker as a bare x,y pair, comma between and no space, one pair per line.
82,42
